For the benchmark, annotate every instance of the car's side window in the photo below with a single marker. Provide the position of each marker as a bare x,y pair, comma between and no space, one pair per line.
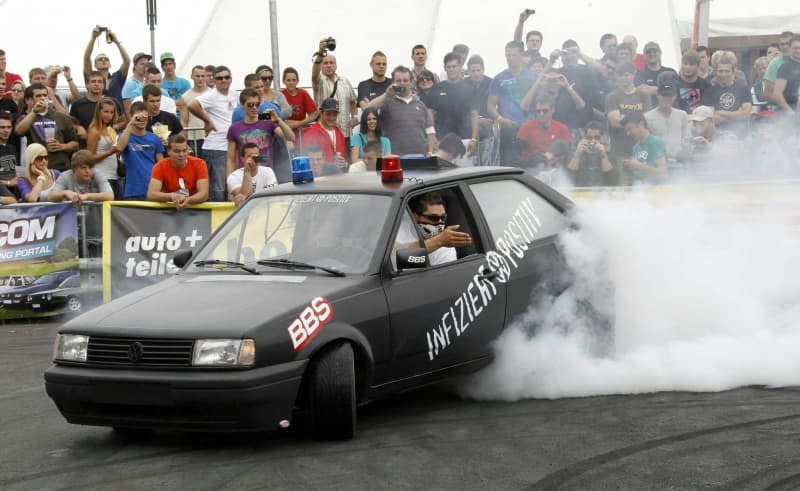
510,202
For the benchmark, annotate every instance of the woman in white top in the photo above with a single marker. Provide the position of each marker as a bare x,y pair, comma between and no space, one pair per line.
101,139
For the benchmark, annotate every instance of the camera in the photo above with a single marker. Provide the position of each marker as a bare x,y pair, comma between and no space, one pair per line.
331,44
265,116
530,11
400,89
260,159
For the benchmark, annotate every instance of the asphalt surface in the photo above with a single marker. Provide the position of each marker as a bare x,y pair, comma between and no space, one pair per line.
428,439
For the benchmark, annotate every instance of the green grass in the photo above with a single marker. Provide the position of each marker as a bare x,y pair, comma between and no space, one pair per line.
35,267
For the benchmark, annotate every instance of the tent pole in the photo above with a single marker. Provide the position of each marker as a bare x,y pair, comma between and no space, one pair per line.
273,27
700,24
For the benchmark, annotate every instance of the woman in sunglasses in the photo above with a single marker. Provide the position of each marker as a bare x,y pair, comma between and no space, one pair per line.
270,95
425,81
38,179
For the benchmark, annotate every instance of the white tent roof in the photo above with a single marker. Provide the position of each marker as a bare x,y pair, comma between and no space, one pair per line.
742,18
236,32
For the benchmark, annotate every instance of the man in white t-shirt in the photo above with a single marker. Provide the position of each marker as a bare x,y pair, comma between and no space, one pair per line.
251,178
215,109
429,212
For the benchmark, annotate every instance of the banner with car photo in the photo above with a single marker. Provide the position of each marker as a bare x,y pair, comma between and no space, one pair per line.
140,239
39,266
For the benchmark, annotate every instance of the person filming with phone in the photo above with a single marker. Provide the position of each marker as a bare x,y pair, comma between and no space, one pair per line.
252,177
259,128
404,118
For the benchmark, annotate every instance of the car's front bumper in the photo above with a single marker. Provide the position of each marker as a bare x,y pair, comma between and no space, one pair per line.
253,399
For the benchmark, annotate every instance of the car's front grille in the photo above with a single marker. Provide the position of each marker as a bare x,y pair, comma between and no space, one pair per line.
140,352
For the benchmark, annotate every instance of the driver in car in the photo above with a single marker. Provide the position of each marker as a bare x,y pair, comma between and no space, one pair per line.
430,214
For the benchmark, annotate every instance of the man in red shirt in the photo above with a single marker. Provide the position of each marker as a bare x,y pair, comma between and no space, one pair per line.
325,134
538,134
10,77
179,178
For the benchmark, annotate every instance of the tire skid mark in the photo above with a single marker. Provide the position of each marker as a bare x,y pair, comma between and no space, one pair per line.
768,474
563,476
790,482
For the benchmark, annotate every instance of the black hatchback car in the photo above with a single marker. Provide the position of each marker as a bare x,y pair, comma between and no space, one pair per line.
314,298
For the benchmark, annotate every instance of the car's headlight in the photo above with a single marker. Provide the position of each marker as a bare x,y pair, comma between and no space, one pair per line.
70,347
224,352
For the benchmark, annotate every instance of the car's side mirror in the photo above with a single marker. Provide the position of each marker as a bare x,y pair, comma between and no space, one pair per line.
181,258
412,258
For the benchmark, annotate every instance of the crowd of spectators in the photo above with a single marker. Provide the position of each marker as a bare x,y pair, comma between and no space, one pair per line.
143,133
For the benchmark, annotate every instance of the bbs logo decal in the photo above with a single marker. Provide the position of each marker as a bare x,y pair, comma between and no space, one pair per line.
310,322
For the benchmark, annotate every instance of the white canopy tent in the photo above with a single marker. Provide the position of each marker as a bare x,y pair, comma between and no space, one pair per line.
236,32
736,18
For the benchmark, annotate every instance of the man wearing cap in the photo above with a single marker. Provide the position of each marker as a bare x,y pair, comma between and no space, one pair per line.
648,163
646,78
80,183
113,83
670,124
704,131
133,85
173,85
326,134
329,84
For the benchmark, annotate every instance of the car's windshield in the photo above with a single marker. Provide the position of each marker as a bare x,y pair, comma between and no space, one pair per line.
338,231
48,278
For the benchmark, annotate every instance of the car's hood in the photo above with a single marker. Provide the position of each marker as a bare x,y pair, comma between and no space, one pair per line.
216,305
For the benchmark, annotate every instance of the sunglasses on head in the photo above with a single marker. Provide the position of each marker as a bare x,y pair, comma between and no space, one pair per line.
222,77
435,218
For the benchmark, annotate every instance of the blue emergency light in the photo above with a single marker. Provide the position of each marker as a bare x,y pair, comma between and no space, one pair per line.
301,170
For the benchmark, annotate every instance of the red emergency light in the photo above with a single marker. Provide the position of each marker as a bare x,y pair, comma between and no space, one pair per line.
391,171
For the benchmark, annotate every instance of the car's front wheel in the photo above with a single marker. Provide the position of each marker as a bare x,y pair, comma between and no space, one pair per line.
74,304
332,393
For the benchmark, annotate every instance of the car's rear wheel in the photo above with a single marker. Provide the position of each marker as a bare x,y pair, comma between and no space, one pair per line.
74,304
332,393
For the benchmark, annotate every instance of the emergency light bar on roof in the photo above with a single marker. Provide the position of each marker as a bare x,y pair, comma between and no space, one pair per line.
416,163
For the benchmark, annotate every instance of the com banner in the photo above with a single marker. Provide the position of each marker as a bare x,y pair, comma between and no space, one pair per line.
38,253
141,238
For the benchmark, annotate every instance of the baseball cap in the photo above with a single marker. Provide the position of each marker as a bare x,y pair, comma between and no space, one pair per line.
702,113
329,104
666,89
166,55
139,56
652,45
101,55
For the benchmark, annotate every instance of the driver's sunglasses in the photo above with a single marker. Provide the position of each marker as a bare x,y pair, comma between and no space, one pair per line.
435,218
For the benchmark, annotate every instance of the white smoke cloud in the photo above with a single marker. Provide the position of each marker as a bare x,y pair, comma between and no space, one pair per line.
706,300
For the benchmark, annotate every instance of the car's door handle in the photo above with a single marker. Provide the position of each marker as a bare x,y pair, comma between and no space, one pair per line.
489,275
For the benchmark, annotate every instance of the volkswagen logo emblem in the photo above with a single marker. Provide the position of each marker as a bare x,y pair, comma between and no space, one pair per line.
135,352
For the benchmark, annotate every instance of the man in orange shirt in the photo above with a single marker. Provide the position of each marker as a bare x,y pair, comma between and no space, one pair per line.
179,178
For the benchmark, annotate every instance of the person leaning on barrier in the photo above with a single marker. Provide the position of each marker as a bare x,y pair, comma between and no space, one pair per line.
179,178
80,183
251,178
39,179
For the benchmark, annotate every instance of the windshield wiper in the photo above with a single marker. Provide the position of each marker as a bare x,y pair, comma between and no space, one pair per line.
230,264
288,263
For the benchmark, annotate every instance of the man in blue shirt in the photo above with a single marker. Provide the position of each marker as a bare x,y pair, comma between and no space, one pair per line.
140,151
505,95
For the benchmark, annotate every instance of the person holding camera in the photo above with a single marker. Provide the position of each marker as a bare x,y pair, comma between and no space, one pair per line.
51,128
258,127
112,83
590,165
328,84
404,118
140,150
252,177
